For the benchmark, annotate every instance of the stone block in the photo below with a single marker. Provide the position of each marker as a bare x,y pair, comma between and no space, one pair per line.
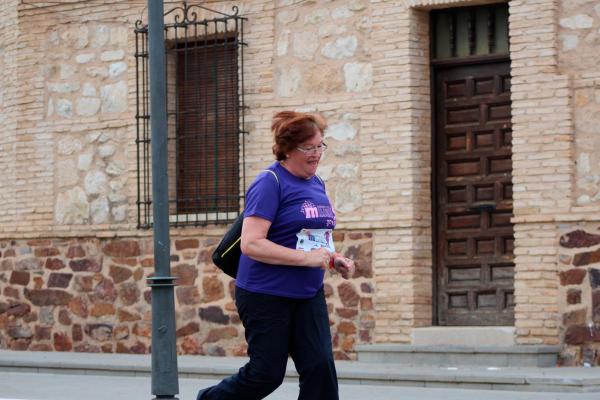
182,244
366,287
99,332
121,332
54,264
576,317
139,348
344,47
114,98
288,81
213,314
62,342
18,309
215,351
114,55
579,239
366,304
77,333
188,329
122,248
347,313
572,277
86,348
577,335
212,288
9,253
79,307
217,334
102,309
126,316
42,333
85,265
72,207
304,45
64,318
574,296
87,106
119,274
586,258
46,252
19,278
28,264
346,328
348,295
105,291
358,77
186,274
94,183
129,293
59,280
84,283
143,329
191,345
596,305
48,297
594,275
75,252
189,295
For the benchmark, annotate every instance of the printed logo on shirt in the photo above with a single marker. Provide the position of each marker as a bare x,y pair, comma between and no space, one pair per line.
310,239
311,210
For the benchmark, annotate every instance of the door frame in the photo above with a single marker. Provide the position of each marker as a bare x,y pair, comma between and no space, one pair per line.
435,67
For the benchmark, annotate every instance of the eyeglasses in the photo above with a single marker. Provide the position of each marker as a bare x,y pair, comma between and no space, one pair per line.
314,150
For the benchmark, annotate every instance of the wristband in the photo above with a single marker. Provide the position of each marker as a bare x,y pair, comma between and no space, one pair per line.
332,262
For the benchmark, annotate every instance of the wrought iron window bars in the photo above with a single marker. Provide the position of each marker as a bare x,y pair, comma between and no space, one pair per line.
205,111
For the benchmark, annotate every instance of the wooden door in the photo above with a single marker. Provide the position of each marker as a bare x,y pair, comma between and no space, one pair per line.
473,195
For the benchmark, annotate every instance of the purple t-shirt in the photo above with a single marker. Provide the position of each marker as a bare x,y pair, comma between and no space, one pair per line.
301,218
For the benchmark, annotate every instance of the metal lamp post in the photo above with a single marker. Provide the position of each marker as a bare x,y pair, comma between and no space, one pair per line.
165,384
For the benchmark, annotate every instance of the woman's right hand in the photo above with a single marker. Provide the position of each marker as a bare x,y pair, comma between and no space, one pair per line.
318,258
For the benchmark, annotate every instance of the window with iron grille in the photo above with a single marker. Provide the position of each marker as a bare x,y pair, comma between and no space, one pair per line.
464,32
205,111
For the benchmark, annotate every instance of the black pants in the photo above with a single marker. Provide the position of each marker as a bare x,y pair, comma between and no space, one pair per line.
275,327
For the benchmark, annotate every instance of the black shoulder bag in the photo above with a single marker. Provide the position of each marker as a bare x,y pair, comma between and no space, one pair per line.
227,254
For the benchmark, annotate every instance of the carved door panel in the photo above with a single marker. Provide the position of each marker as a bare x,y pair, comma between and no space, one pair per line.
473,195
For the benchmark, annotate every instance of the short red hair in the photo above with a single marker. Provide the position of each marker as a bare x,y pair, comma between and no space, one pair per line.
290,128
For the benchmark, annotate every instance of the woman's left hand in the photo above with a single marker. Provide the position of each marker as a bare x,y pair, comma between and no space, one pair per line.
344,266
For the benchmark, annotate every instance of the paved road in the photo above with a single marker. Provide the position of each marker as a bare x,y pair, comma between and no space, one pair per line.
48,386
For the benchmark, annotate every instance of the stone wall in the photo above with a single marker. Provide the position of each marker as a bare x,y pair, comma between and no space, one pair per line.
580,294
85,77
579,37
90,294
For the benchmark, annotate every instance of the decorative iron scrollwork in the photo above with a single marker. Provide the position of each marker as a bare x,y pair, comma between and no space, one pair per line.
188,14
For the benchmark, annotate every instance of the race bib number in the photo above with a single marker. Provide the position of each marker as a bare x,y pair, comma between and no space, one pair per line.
310,239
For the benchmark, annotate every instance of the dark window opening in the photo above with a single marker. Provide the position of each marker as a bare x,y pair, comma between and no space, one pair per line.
207,176
469,32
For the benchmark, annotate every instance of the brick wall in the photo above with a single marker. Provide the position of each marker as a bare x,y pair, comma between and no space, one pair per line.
9,31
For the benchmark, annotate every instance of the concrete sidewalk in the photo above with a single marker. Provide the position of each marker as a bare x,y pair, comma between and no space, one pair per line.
126,376
45,386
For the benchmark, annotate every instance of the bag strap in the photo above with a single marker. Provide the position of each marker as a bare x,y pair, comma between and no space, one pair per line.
272,172
320,179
